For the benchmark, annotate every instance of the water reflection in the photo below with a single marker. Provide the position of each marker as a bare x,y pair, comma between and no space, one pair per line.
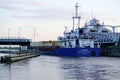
13,71
90,69
62,68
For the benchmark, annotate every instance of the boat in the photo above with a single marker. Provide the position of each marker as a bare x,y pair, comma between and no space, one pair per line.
85,41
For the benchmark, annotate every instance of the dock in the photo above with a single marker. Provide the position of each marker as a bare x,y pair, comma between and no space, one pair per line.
18,56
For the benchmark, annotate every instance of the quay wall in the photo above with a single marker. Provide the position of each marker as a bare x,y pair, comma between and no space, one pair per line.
17,57
113,51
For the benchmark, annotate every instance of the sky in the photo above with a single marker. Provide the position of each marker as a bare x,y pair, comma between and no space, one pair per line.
47,18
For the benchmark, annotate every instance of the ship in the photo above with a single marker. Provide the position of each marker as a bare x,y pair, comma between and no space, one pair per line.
85,41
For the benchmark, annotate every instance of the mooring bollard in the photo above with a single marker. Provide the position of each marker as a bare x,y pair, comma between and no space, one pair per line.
1,59
5,59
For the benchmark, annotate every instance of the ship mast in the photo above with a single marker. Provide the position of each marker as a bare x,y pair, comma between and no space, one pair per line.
76,16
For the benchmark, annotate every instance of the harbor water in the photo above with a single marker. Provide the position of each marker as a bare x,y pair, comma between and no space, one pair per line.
62,68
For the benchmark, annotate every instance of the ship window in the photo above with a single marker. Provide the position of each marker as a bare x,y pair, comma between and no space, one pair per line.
92,30
105,31
80,31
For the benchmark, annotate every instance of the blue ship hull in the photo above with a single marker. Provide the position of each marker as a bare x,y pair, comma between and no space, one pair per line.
74,52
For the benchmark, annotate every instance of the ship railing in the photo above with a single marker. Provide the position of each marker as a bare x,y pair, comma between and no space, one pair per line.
103,37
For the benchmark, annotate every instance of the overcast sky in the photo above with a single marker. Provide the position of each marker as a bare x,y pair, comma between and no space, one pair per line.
49,17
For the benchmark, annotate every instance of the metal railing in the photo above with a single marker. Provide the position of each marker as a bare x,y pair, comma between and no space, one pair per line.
14,39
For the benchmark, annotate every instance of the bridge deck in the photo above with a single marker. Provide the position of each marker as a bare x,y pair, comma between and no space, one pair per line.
14,41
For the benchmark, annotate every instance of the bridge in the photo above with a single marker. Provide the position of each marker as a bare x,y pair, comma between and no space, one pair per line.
15,41
113,27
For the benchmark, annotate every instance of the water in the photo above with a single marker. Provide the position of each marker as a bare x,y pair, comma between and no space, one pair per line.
3,54
62,68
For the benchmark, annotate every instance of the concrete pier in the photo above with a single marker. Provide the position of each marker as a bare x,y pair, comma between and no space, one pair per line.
17,57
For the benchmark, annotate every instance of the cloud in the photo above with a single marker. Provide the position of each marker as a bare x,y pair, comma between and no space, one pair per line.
35,9
10,5
10,8
44,13
19,5
32,9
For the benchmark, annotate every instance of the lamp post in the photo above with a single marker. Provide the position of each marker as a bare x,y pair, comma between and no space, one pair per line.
34,34
10,42
8,33
19,31
19,38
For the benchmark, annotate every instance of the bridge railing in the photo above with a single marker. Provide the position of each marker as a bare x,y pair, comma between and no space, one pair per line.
14,39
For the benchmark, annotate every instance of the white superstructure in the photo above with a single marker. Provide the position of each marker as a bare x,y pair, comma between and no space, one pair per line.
93,34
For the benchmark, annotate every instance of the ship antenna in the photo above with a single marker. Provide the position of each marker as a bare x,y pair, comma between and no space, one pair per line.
113,21
65,28
76,16
77,9
91,14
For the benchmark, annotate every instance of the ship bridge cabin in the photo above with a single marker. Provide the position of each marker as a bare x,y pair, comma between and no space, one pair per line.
95,26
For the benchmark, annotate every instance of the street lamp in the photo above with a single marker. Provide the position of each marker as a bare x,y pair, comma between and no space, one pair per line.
19,31
8,33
